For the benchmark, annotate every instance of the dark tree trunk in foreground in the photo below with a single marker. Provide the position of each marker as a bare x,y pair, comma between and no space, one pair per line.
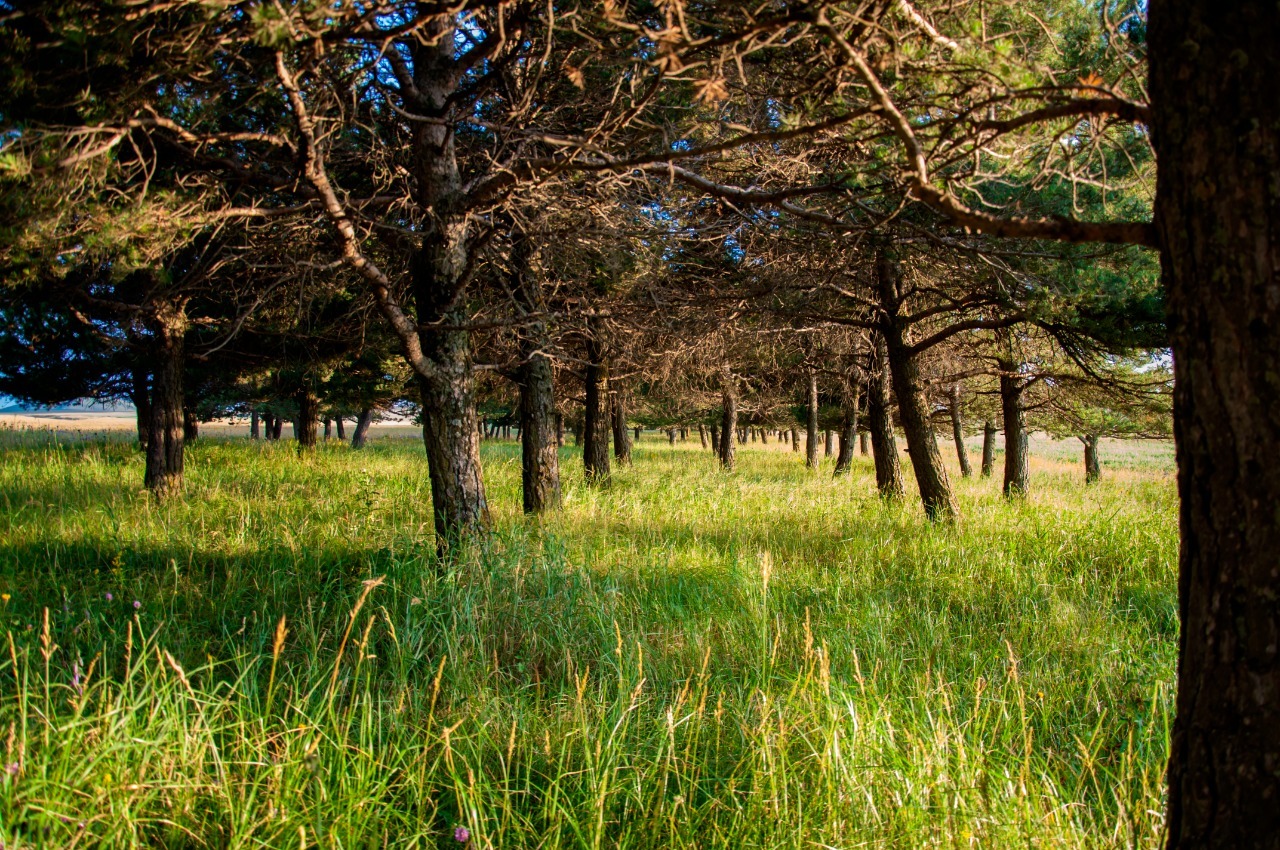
140,395
729,421
1017,474
848,432
988,448
342,431
884,447
1215,75
595,431
811,424
1092,466
360,437
255,426
308,422
163,475
957,431
621,434
913,406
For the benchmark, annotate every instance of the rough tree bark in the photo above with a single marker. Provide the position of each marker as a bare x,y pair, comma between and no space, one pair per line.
360,437
729,419
1017,473
848,431
988,448
621,434
163,475
541,428
308,421
913,406
884,447
595,450
957,431
1092,466
1216,126
811,423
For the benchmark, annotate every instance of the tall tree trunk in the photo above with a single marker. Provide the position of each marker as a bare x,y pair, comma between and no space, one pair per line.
541,427
1016,470
988,448
255,426
308,422
811,423
1092,466
140,395
957,431
729,419
884,446
360,437
702,434
795,440
164,467
829,441
1216,128
715,439
595,451
539,434
913,406
446,376
848,431
190,426
621,434
342,431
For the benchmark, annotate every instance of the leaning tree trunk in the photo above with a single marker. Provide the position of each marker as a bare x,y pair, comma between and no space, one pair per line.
884,447
957,431
848,431
621,434
913,406
811,424
729,421
1092,466
360,437
595,450
988,448
140,395
1017,473
1215,94
163,475
308,421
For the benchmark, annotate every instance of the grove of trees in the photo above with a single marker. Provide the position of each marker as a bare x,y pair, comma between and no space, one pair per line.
822,222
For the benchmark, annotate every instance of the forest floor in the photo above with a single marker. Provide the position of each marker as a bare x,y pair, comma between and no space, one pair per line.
772,658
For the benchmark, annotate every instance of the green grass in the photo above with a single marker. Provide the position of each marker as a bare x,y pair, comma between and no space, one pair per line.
686,659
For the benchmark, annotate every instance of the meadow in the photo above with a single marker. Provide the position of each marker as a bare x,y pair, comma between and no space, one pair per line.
771,658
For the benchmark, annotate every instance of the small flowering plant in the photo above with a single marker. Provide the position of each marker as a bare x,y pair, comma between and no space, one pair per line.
461,834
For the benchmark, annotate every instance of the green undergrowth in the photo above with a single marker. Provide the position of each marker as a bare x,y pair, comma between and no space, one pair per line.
771,658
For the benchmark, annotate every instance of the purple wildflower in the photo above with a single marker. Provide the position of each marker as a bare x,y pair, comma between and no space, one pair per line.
136,605
461,835
109,596
75,675
12,768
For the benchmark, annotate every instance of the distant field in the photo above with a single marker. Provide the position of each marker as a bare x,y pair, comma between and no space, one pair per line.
771,658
